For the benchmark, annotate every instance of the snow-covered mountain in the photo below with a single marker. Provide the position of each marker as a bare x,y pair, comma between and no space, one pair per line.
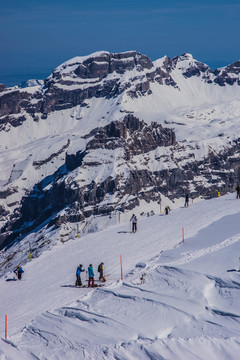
107,132
31,83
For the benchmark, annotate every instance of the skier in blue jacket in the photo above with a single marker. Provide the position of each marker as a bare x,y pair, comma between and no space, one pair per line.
78,275
90,276
19,271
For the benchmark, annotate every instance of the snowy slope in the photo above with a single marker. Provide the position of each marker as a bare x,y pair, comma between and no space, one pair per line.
187,308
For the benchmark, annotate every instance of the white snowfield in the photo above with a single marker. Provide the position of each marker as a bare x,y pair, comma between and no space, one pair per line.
185,308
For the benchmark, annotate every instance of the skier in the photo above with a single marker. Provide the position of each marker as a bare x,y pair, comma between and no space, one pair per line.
186,200
19,271
167,209
90,276
100,270
78,275
134,223
238,191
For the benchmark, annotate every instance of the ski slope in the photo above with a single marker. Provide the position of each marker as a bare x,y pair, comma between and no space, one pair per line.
187,308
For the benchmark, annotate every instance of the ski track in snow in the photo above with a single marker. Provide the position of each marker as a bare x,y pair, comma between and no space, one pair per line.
192,255
186,308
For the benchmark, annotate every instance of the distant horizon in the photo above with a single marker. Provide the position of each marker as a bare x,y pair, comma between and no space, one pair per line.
36,37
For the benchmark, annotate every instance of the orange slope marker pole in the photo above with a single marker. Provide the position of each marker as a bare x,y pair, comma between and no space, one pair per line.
6,327
30,252
121,267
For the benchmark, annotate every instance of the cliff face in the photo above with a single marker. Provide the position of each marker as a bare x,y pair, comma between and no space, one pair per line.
74,82
102,75
126,149
106,131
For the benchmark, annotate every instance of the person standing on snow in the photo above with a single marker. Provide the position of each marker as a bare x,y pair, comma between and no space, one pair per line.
167,209
238,191
78,275
100,270
134,223
90,276
19,271
186,200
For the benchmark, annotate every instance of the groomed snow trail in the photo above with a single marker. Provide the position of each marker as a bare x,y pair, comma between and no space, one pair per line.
185,307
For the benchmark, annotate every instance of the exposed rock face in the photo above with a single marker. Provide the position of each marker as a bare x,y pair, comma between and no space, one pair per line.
11,102
133,135
12,120
84,78
190,67
73,83
97,68
4,194
104,64
228,75
2,87
135,140
187,64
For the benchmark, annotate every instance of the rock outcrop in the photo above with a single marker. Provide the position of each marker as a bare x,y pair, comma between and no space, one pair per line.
136,141
83,78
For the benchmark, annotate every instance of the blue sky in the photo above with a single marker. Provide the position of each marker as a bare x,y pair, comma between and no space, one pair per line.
38,35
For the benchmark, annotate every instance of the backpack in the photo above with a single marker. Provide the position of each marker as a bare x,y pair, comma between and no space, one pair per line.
134,219
99,268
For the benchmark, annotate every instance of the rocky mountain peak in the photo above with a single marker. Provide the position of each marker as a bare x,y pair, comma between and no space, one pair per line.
31,83
190,66
100,64
104,75
228,75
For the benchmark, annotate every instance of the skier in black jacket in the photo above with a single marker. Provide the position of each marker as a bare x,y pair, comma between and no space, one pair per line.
238,191
186,200
134,223
100,270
